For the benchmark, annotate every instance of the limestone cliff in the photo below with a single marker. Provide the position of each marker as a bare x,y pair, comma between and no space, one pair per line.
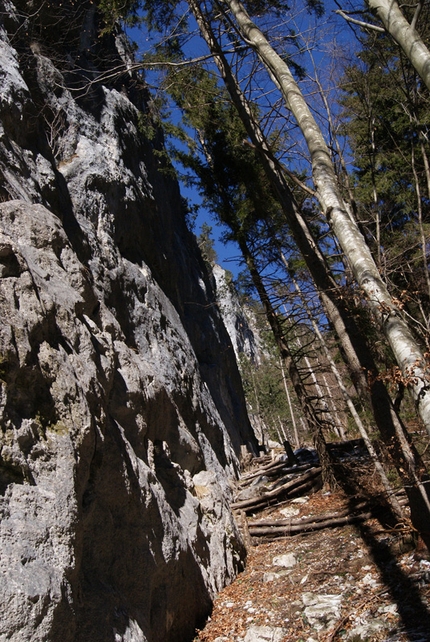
121,409
239,321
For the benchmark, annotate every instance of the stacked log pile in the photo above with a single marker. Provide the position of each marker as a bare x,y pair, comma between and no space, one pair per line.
278,483
275,482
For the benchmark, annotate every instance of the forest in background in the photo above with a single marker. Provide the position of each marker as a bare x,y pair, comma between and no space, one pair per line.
310,148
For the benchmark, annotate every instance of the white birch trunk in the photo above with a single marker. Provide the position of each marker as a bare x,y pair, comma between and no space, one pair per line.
339,425
290,406
406,350
388,11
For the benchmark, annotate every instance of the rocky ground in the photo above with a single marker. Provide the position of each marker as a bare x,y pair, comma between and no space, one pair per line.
359,582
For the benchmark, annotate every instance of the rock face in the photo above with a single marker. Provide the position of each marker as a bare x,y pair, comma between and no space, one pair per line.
239,323
121,409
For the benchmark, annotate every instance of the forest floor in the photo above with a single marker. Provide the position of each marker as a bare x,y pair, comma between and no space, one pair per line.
361,582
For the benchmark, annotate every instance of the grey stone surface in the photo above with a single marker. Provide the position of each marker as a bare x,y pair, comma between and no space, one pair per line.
264,634
239,321
288,560
321,611
121,411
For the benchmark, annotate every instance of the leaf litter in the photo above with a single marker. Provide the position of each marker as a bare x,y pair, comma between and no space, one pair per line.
360,582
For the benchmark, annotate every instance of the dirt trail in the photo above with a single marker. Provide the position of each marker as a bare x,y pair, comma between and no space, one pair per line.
358,582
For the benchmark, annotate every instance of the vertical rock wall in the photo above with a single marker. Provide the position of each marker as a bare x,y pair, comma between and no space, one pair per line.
239,322
121,410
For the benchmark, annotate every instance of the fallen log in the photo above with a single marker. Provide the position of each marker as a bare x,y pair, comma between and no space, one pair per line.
308,520
262,470
270,494
268,471
265,501
307,488
295,528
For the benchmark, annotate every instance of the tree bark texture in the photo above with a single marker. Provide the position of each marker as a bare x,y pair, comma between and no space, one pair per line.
388,11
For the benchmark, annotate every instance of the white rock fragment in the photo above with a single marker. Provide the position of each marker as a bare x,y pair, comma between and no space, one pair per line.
389,609
321,611
270,577
290,511
366,631
264,634
288,560
369,580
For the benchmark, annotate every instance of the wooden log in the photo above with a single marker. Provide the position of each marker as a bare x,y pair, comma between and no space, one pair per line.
263,502
294,529
272,469
263,469
316,518
313,472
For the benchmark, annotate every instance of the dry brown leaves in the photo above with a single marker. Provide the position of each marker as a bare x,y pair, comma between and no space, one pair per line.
344,561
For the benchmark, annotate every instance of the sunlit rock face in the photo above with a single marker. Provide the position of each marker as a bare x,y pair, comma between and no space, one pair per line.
239,321
121,409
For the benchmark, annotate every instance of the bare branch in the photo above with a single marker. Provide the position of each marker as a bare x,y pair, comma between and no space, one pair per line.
417,14
360,23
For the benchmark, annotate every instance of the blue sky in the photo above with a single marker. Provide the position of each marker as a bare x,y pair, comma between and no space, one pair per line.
228,253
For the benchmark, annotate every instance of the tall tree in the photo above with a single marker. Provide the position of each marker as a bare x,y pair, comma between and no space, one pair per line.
407,351
386,117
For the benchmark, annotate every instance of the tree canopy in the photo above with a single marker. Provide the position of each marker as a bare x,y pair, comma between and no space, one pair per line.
311,150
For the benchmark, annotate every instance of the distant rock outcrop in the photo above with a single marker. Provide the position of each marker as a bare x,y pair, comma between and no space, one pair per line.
121,408
239,322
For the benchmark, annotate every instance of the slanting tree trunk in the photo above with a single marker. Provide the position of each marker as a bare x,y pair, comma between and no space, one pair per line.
388,11
353,344
321,402
290,406
391,498
420,224
339,427
311,417
405,349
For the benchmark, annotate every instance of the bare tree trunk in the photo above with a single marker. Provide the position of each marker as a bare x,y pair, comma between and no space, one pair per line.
339,427
420,224
290,406
322,405
388,11
285,437
362,430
